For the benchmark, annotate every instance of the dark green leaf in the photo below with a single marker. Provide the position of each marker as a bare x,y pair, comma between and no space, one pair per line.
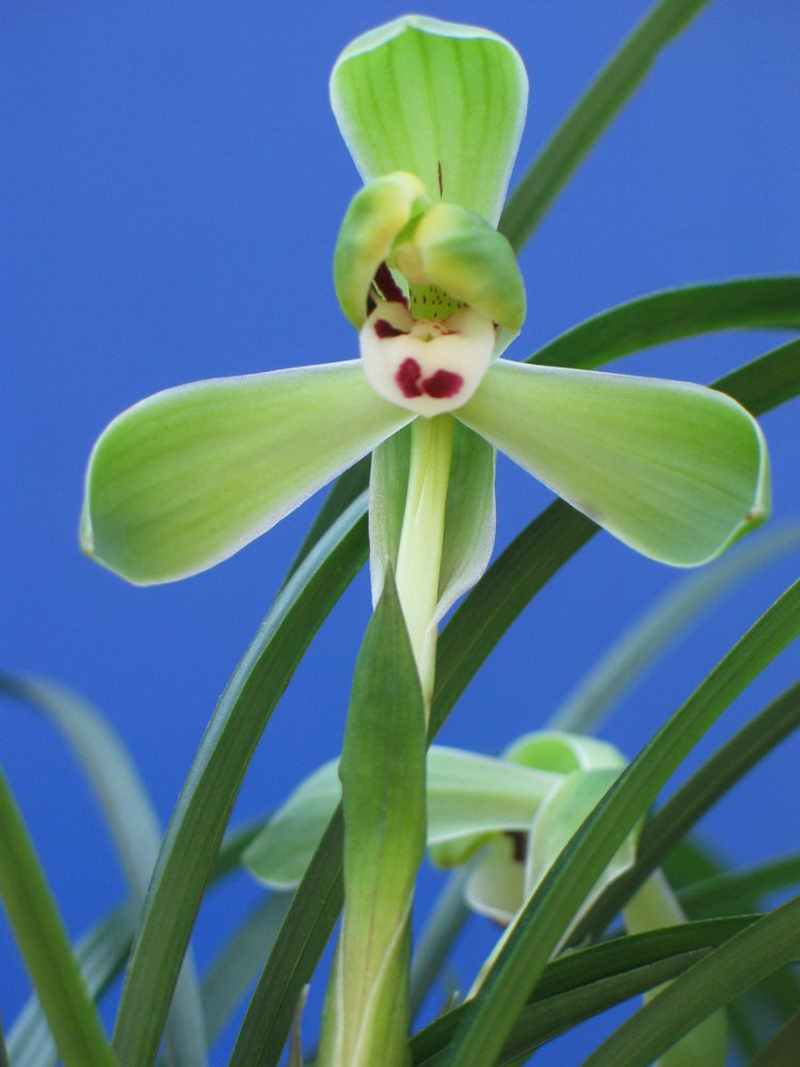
44,944
676,313
542,923
202,811
582,983
727,893
134,828
708,985
782,1049
594,112
689,803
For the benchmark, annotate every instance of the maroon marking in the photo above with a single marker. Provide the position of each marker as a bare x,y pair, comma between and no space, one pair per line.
371,305
392,293
441,183
385,329
442,384
519,845
407,378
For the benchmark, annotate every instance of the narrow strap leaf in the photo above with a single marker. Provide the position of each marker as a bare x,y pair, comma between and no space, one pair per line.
541,924
709,985
694,798
782,1049
580,984
45,946
134,828
208,796
102,953
728,891
228,978
639,647
446,921
656,319
305,931
592,115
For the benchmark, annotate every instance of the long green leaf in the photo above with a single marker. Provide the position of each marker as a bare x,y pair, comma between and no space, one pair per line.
227,980
655,319
45,946
729,892
134,828
449,915
594,112
305,931
594,697
578,985
694,798
102,953
710,984
543,921
476,626
208,796
782,1049
766,382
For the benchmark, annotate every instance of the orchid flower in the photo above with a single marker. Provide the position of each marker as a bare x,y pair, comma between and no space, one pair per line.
508,818
432,113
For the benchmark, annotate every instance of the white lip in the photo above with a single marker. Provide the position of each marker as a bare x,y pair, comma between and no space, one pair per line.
426,356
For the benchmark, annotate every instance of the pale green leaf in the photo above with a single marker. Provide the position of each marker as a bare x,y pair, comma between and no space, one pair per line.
675,470
187,477
441,100
561,753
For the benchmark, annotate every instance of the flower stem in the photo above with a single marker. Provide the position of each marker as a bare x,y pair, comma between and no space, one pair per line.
420,553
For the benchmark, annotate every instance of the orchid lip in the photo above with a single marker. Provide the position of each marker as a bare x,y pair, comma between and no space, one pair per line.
429,366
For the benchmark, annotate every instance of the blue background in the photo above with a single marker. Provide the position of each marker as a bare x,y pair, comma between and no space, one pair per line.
173,187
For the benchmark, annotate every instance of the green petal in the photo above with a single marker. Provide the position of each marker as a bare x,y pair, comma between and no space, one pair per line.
559,752
469,795
675,470
435,98
187,477
377,213
496,888
557,819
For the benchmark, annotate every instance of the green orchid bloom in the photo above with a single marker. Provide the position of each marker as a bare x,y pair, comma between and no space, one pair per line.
508,819
432,113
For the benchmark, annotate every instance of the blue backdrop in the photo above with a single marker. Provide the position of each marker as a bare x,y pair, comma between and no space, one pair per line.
172,193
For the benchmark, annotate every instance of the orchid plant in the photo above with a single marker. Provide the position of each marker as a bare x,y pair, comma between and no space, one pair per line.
550,836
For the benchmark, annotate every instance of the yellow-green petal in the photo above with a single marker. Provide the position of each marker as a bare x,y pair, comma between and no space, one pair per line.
184,479
374,218
675,470
459,252
444,101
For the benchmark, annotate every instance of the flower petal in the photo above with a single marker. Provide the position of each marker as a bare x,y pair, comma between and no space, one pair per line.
675,470
469,527
185,478
444,101
496,888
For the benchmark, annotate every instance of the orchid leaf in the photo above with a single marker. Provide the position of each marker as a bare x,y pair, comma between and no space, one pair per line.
197,825
550,910
132,823
596,109
443,101
467,794
657,318
675,470
185,478
43,942
707,986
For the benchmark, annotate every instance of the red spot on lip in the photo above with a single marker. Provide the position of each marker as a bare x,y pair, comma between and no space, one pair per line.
385,329
443,384
407,378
